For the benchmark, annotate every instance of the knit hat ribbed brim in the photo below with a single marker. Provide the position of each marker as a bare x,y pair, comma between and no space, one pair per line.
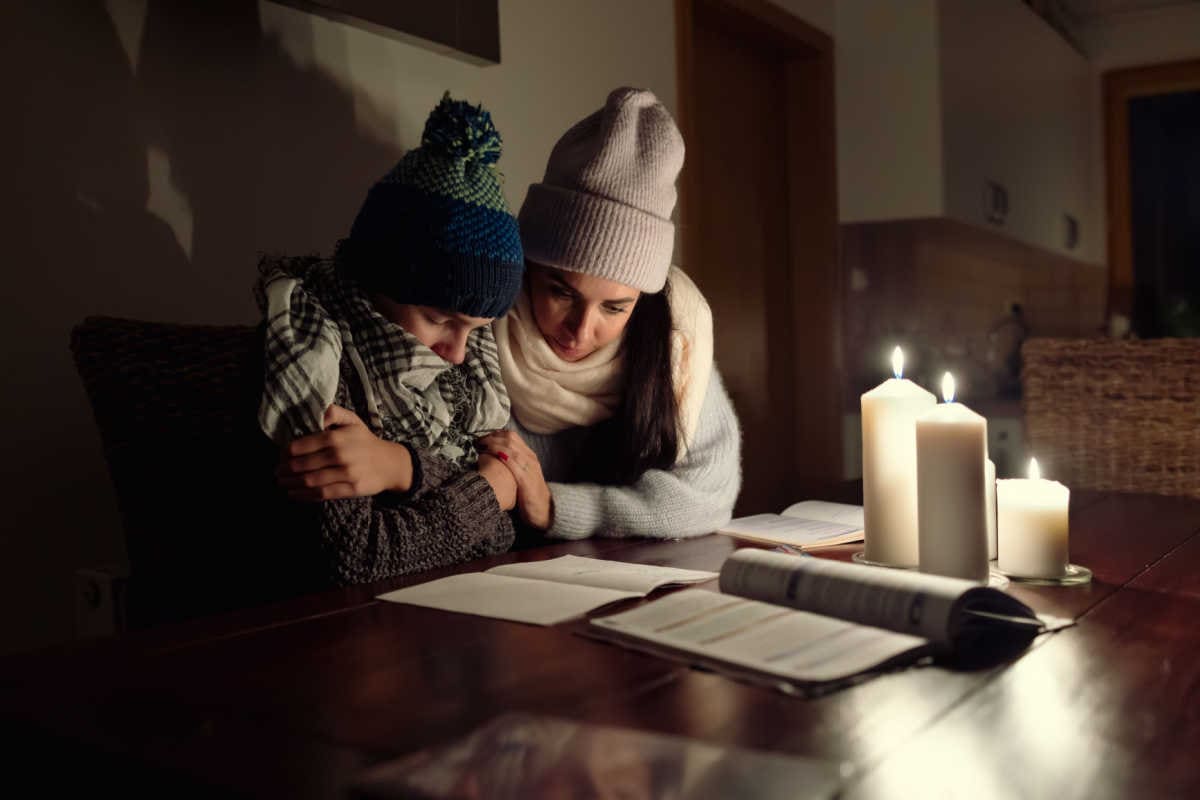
604,206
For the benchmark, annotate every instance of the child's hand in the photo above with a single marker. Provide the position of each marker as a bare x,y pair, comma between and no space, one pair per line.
344,460
534,502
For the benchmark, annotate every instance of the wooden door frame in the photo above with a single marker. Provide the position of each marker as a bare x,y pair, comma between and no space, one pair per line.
808,57
1121,86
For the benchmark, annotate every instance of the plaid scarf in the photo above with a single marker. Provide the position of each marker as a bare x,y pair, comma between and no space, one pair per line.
315,317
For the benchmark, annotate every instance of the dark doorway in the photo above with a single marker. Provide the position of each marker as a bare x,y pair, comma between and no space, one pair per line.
1164,175
1152,163
759,230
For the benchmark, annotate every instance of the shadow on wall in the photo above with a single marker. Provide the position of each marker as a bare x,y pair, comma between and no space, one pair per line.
157,150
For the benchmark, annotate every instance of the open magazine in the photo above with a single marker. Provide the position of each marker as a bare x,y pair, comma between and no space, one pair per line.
809,623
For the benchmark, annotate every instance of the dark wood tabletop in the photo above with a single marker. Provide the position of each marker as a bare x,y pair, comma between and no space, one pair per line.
296,699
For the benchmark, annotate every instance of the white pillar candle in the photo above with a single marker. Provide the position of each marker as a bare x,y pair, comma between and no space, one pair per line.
1032,528
889,415
952,489
989,477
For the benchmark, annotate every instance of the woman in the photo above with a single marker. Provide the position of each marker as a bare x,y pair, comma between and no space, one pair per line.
381,367
620,423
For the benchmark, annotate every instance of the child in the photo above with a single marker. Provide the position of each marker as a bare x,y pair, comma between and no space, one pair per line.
381,367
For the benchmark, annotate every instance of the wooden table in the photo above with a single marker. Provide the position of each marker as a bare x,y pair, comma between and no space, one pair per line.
294,700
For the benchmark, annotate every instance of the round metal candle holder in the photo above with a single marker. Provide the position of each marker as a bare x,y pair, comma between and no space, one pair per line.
861,558
996,578
1073,575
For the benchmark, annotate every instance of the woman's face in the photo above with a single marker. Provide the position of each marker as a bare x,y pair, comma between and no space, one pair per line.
443,332
578,314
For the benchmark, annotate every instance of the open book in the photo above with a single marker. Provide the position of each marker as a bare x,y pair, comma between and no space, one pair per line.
544,592
852,620
803,526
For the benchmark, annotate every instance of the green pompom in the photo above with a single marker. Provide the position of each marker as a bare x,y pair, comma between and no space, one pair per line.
456,129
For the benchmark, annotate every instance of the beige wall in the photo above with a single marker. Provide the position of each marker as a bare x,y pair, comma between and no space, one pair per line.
559,61
887,69
1150,37
156,149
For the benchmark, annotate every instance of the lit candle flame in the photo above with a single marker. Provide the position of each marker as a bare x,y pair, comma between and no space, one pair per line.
948,388
1035,474
898,362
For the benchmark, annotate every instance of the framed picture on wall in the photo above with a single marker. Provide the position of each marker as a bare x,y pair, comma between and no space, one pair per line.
465,29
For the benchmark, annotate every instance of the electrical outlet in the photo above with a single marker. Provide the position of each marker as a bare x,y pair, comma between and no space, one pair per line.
995,202
100,600
1070,232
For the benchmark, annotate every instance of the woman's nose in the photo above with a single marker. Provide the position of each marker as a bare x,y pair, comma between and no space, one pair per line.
579,323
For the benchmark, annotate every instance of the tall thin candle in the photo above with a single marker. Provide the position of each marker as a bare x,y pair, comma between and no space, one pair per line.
952,490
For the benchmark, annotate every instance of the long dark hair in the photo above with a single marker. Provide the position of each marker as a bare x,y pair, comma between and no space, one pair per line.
644,432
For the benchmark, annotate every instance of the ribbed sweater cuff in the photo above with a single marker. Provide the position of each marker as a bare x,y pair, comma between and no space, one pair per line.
471,499
416,488
573,517
433,470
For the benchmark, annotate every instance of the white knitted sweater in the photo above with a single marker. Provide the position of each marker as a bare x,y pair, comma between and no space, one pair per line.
694,497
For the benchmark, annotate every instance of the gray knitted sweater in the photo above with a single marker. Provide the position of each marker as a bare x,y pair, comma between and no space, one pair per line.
694,497
446,517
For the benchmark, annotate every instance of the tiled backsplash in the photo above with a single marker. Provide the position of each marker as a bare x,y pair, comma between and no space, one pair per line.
945,292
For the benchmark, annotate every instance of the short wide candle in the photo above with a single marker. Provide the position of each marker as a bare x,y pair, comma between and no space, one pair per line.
1031,527
889,415
952,490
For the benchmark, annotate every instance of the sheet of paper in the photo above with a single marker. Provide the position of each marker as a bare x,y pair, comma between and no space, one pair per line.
641,578
506,597
792,530
760,636
829,512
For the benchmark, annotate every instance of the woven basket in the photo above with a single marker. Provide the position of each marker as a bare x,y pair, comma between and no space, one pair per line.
1115,415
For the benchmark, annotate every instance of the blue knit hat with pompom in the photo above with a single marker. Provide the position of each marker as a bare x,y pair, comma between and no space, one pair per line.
436,230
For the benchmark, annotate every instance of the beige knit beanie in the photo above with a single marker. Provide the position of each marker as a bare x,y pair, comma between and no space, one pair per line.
604,206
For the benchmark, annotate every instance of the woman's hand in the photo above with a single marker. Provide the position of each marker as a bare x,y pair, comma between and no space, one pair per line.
500,479
534,503
344,460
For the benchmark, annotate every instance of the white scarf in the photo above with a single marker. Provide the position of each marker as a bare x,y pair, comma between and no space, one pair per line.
549,394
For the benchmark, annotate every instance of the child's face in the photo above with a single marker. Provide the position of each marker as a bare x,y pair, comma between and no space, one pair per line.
578,314
443,332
